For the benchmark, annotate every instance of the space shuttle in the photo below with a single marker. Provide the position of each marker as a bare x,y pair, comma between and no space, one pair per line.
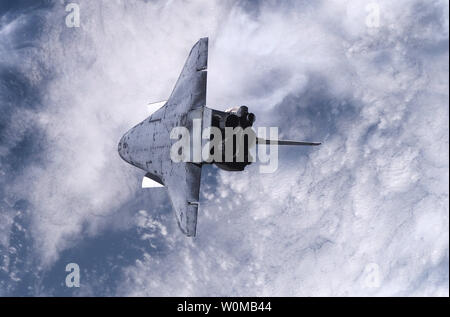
149,145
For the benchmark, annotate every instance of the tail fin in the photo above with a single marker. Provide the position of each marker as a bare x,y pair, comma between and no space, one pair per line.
153,106
285,142
151,180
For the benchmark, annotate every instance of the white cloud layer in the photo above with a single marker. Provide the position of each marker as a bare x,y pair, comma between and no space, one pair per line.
364,214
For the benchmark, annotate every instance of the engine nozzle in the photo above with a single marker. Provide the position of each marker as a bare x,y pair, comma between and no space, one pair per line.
238,117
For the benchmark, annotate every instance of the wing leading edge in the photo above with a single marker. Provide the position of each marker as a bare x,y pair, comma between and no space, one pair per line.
190,90
183,186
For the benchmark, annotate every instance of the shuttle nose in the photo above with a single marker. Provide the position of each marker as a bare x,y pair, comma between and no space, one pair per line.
122,147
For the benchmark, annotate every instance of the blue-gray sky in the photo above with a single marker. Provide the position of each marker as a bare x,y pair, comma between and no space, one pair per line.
364,214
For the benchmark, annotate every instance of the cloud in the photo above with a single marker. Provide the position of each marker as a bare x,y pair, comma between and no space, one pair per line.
358,216
364,214
103,75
